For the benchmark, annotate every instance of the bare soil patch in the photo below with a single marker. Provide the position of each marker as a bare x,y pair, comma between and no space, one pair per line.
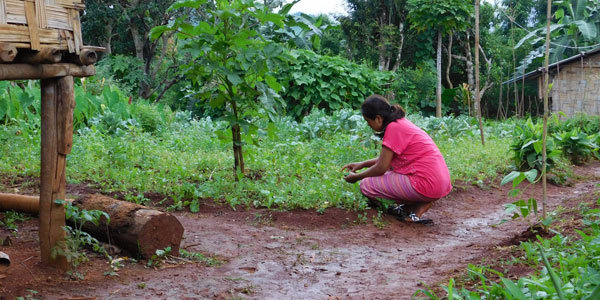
303,254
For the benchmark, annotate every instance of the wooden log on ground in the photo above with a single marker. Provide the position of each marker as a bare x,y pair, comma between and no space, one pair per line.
133,227
44,71
20,203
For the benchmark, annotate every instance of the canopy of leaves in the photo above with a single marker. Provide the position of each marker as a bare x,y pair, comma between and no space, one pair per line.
444,15
229,52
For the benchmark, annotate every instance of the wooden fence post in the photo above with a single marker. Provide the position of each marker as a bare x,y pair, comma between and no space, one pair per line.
58,102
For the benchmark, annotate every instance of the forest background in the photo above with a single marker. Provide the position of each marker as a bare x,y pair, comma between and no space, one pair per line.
393,43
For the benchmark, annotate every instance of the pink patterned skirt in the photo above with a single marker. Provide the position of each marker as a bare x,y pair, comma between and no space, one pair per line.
392,186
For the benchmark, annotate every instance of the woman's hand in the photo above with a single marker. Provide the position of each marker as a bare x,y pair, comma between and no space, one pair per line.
353,167
352,177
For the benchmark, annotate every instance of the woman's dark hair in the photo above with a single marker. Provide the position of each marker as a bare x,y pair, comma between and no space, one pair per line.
377,105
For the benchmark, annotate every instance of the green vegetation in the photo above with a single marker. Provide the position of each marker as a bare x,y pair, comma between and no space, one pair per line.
527,147
9,220
313,81
563,267
291,164
77,239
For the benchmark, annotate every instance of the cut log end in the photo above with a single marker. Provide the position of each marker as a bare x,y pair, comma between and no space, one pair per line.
159,231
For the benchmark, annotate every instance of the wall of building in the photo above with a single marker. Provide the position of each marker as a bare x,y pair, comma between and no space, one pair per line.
576,89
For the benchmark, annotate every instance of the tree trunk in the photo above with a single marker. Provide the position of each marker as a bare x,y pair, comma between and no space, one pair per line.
400,47
449,62
478,99
107,45
138,41
236,135
381,46
438,108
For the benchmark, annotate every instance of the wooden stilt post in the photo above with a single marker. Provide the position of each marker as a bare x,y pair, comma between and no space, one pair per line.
57,135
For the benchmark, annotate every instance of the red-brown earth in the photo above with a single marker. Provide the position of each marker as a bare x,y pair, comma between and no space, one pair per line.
299,254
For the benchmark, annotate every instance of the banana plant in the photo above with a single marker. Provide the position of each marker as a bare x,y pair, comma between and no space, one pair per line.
577,24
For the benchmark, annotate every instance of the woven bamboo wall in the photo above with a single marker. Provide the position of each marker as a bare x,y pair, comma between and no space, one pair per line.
576,87
34,24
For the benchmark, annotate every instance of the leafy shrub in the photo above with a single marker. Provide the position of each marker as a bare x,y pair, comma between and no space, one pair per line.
20,105
527,145
120,70
414,88
577,146
149,117
329,83
584,123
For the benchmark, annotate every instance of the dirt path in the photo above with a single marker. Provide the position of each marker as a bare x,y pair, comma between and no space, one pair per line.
304,255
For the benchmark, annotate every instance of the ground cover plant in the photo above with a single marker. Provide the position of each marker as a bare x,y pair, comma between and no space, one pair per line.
291,164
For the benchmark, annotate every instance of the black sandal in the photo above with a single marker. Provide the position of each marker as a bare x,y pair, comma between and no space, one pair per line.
412,218
397,211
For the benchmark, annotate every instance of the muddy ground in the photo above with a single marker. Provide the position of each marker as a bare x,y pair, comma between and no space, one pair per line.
300,254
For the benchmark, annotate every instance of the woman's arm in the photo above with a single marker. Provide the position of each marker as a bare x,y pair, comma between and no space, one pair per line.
379,167
360,165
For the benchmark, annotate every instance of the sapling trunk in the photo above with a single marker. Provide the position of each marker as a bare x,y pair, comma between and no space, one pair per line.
546,92
438,107
237,144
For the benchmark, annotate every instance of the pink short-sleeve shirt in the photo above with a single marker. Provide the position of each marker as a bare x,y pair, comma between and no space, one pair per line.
417,156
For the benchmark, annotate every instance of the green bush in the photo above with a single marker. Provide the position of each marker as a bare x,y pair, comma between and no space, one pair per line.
414,88
328,83
577,146
527,145
148,116
584,123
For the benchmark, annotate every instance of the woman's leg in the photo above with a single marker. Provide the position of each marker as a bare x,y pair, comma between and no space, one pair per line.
396,187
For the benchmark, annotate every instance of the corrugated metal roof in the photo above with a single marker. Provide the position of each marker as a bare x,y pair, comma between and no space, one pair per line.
540,70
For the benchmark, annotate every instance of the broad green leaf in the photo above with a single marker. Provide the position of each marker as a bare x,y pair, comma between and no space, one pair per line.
287,7
513,289
272,82
510,177
560,13
531,175
157,31
234,78
588,30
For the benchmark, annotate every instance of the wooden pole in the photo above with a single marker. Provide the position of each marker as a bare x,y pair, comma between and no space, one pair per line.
546,96
58,102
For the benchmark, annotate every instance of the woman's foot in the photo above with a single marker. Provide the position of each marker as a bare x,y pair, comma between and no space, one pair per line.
412,218
416,212
421,208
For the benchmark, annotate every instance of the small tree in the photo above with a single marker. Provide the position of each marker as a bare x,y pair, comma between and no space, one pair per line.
443,16
229,51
